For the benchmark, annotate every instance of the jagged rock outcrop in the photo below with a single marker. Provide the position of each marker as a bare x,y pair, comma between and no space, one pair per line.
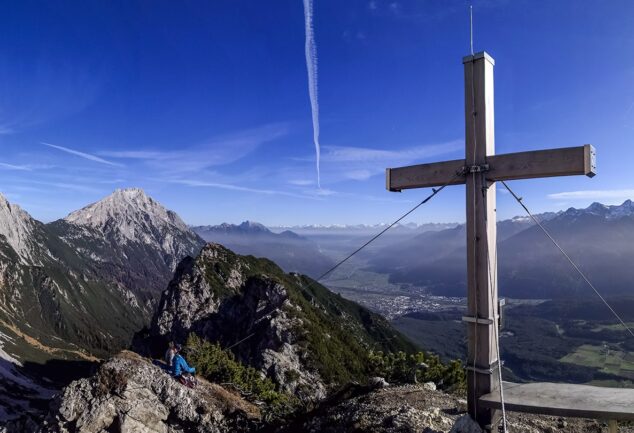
19,230
292,329
129,394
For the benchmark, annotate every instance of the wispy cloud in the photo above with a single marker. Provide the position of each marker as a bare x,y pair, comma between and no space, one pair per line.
15,167
84,155
65,186
219,150
359,163
301,182
401,156
45,88
111,181
610,195
198,183
6,129
25,167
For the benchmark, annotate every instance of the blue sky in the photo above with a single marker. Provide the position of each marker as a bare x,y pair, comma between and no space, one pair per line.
205,104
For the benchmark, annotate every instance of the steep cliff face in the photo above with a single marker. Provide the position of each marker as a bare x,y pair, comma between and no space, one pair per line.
294,330
19,231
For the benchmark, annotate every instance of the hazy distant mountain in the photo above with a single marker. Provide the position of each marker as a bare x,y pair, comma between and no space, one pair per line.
600,239
361,229
292,252
427,259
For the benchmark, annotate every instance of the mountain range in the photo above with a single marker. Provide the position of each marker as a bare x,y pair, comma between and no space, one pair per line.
92,278
599,238
360,229
78,288
292,252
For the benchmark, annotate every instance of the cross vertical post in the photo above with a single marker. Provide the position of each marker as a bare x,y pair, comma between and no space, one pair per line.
479,170
482,297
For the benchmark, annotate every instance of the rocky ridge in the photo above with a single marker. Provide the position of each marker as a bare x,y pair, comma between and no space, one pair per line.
128,394
419,408
292,329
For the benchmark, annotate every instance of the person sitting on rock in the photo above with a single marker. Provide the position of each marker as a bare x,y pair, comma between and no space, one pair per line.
181,370
169,354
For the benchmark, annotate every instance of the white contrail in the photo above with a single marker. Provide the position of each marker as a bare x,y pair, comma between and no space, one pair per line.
311,66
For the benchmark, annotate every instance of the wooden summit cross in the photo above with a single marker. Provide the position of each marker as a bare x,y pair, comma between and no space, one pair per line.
480,169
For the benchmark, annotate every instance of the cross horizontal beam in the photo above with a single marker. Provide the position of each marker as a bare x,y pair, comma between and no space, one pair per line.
568,161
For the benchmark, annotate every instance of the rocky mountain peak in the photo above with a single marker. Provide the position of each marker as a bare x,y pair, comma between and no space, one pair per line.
17,227
609,212
596,207
253,227
129,213
244,228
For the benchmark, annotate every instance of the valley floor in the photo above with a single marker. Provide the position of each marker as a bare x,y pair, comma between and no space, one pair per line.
542,340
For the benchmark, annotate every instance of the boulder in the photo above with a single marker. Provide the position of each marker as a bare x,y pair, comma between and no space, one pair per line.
129,394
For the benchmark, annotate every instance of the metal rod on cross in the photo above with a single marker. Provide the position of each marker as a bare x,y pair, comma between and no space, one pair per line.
479,170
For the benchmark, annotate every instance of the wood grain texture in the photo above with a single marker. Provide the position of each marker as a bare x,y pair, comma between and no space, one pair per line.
567,161
564,399
482,296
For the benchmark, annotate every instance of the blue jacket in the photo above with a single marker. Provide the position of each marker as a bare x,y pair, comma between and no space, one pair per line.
179,365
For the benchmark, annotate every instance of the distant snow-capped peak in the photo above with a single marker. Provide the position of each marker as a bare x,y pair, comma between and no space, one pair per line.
130,212
624,210
244,227
253,226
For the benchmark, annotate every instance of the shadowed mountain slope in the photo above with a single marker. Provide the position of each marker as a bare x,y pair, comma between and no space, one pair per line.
600,239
